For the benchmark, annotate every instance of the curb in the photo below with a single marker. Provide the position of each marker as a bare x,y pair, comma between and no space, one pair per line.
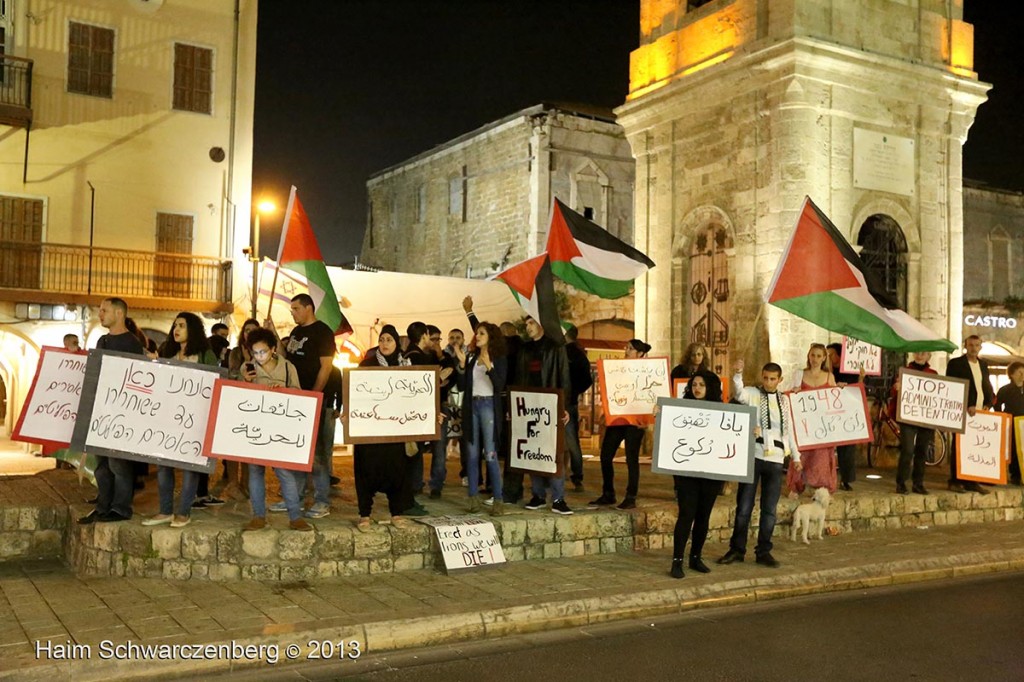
397,634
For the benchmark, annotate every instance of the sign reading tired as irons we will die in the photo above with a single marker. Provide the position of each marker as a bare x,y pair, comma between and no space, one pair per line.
391,404
981,450
704,439
266,426
932,401
535,429
466,542
632,386
51,408
145,410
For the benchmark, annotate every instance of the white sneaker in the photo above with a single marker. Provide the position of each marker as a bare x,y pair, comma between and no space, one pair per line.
318,511
489,502
278,507
465,481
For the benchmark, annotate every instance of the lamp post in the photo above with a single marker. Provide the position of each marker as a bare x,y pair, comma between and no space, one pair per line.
254,252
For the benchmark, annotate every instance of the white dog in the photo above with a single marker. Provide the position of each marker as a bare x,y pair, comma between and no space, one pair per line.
805,514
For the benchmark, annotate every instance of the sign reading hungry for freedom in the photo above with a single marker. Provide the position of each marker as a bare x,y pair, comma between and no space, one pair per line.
145,410
631,387
390,404
932,401
260,425
826,417
704,439
858,355
466,542
48,417
535,429
983,448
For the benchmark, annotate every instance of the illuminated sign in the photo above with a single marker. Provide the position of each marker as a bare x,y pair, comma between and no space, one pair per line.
972,320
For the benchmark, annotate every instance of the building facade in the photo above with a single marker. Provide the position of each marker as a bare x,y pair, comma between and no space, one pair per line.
125,166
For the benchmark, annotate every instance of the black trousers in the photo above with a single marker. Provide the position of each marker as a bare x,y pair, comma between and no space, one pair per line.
613,437
382,467
914,441
847,455
696,498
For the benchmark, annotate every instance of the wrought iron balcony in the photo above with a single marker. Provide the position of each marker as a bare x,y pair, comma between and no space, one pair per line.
15,91
63,273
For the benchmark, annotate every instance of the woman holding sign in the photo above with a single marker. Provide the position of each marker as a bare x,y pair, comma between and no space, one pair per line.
482,376
819,465
186,342
695,496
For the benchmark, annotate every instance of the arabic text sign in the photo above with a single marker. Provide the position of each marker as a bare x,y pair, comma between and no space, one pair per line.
466,542
535,429
932,401
260,425
679,387
391,404
51,407
145,410
1018,433
704,439
827,417
632,387
857,354
981,449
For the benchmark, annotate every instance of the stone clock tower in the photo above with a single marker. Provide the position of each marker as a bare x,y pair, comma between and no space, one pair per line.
739,108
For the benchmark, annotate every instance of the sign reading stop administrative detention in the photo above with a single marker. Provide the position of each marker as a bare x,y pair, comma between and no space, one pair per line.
932,401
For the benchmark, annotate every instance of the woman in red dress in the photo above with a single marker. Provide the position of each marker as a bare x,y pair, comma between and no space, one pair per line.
819,465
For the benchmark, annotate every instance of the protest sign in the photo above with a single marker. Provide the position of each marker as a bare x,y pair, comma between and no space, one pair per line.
631,387
145,410
932,401
704,439
535,429
1018,426
391,404
981,449
831,416
859,355
466,541
261,425
48,416
679,387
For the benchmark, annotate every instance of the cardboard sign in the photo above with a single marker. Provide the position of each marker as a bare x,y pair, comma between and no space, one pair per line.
466,542
982,448
704,439
858,354
145,410
535,429
1018,433
932,401
826,417
391,404
631,387
50,410
261,425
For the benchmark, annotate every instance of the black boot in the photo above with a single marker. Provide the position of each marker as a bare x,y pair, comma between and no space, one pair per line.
698,565
677,568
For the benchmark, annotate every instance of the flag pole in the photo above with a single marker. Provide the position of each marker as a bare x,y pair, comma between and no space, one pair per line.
753,328
280,249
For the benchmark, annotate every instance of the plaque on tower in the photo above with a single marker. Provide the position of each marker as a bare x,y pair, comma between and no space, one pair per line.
883,162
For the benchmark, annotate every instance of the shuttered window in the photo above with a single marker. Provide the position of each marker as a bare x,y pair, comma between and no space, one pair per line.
193,78
91,60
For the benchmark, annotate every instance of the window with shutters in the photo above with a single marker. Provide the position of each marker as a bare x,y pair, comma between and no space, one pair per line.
21,236
90,60
193,78
172,275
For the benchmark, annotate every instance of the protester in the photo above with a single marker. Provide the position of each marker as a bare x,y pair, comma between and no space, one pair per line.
446,363
695,359
773,443
631,430
115,482
220,329
267,369
1010,399
818,465
846,454
421,354
240,353
71,343
914,440
979,397
580,379
695,497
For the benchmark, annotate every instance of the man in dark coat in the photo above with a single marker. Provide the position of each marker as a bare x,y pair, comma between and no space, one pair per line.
980,396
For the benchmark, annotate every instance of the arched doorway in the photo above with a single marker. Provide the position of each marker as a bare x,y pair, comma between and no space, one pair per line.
710,295
884,254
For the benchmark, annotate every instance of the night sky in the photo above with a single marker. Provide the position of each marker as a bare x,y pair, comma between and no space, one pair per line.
345,88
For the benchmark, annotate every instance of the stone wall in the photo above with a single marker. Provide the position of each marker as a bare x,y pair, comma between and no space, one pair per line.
993,245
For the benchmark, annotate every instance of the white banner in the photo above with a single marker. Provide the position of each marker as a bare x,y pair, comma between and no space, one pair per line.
857,355
51,407
704,439
390,404
826,417
631,387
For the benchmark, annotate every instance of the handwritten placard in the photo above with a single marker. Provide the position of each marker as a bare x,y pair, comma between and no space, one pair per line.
704,439
981,449
260,425
51,407
859,354
466,542
679,387
631,387
535,429
145,410
831,416
1018,433
932,401
391,404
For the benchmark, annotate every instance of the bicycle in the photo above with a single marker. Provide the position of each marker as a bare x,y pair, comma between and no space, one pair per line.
936,453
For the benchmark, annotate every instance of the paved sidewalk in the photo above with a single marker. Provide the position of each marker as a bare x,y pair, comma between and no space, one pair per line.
43,601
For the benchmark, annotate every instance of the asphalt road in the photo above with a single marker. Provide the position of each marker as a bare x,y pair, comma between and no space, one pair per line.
971,629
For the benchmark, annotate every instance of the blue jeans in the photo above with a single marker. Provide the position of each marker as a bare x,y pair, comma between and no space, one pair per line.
165,486
115,485
438,468
290,482
572,441
323,457
769,474
483,432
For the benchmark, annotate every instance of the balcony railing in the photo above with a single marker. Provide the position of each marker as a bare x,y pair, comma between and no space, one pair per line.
15,90
77,271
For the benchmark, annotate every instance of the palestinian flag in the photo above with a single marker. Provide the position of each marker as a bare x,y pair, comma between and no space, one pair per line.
300,253
534,288
821,279
590,258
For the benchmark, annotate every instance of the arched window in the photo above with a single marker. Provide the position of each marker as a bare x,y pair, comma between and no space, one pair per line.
999,271
710,298
884,254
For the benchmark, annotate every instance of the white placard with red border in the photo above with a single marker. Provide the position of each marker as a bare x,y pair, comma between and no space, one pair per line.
51,408
982,449
631,387
830,416
274,427
859,354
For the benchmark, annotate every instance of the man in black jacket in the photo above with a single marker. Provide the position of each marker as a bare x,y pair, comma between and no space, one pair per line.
580,380
979,397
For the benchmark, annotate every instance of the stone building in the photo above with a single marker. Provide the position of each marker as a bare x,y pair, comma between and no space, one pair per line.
737,109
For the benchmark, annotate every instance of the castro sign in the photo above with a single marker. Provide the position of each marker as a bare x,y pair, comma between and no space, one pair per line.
990,321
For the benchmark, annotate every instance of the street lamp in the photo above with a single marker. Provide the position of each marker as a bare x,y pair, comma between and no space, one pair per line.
262,206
